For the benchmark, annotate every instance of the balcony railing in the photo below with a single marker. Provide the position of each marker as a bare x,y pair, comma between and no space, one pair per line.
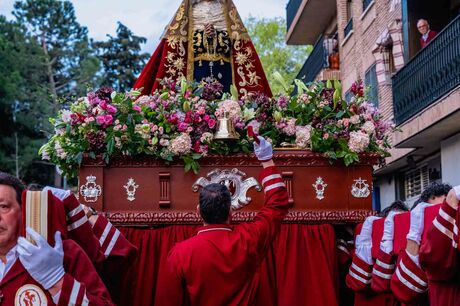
291,10
314,63
348,28
431,74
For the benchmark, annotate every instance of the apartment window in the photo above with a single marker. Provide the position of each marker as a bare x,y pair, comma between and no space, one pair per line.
370,80
349,25
416,181
366,4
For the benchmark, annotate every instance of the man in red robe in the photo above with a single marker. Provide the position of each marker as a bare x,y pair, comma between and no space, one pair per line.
427,34
439,254
409,283
110,252
39,274
220,265
206,39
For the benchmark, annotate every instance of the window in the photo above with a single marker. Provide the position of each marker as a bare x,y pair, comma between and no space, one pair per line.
370,80
415,182
349,26
349,10
366,4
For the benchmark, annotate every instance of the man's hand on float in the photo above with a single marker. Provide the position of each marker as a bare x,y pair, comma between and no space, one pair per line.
44,263
262,148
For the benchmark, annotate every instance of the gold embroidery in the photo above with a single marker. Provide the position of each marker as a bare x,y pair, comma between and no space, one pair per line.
211,57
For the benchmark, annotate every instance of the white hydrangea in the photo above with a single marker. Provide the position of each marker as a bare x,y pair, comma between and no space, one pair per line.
303,136
358,141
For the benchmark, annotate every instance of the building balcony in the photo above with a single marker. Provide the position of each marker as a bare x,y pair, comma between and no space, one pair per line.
318,66
306,20
426,91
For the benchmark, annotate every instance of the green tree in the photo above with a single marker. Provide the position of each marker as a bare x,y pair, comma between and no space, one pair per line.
68,60
23,102
268,37
122,58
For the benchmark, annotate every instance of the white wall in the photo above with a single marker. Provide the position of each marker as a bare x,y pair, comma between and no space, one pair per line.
387,191
450,160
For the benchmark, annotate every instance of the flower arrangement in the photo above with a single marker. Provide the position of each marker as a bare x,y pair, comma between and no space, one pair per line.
180,120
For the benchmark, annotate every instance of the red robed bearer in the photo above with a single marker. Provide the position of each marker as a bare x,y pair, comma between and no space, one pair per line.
220,265
38,273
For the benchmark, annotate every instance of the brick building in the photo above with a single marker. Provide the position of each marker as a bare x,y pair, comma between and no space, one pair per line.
378,41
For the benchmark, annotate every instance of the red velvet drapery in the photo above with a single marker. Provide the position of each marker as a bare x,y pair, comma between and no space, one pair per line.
300,267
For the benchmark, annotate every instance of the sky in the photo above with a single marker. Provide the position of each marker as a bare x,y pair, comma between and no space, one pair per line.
147,18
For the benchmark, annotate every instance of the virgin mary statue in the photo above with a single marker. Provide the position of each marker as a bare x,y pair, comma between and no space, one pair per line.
206,38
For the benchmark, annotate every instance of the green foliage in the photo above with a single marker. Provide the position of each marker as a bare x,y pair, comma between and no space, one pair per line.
24,106
69,62
121,58
268,37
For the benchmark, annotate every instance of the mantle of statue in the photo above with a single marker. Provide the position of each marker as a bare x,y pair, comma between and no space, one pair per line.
145,191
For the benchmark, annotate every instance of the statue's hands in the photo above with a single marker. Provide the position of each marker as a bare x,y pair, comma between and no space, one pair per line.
210,30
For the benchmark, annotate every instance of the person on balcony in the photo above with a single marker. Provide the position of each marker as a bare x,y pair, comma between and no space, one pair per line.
220,265
427,34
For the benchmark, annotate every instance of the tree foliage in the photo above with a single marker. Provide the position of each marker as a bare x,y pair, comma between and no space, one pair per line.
121,58
268,37
69,62
23,100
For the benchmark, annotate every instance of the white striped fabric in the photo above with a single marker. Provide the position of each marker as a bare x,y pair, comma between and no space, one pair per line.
270,177
443,229
74,293
358,269
381,274
446,217
384,265
85,301
412,275
105,233
359,278
75,211
273,186
77,223
112,243
407,283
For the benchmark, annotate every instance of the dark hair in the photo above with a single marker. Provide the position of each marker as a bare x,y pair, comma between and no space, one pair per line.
395,206
215,200
14,182
435,189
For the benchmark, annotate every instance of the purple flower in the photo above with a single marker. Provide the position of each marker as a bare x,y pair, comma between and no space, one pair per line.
283,101
104,93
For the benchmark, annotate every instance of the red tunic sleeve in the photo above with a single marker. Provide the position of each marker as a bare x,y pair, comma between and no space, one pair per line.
409,281
268,220
82,285
438,253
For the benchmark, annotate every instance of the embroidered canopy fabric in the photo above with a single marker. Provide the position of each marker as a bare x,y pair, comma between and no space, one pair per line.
189,49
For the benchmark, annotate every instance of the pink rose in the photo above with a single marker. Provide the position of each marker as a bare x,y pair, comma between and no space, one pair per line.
182,126
103,104
211,123
137,108
111,109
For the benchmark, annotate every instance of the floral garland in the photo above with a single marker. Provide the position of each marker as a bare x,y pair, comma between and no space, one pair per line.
180,120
